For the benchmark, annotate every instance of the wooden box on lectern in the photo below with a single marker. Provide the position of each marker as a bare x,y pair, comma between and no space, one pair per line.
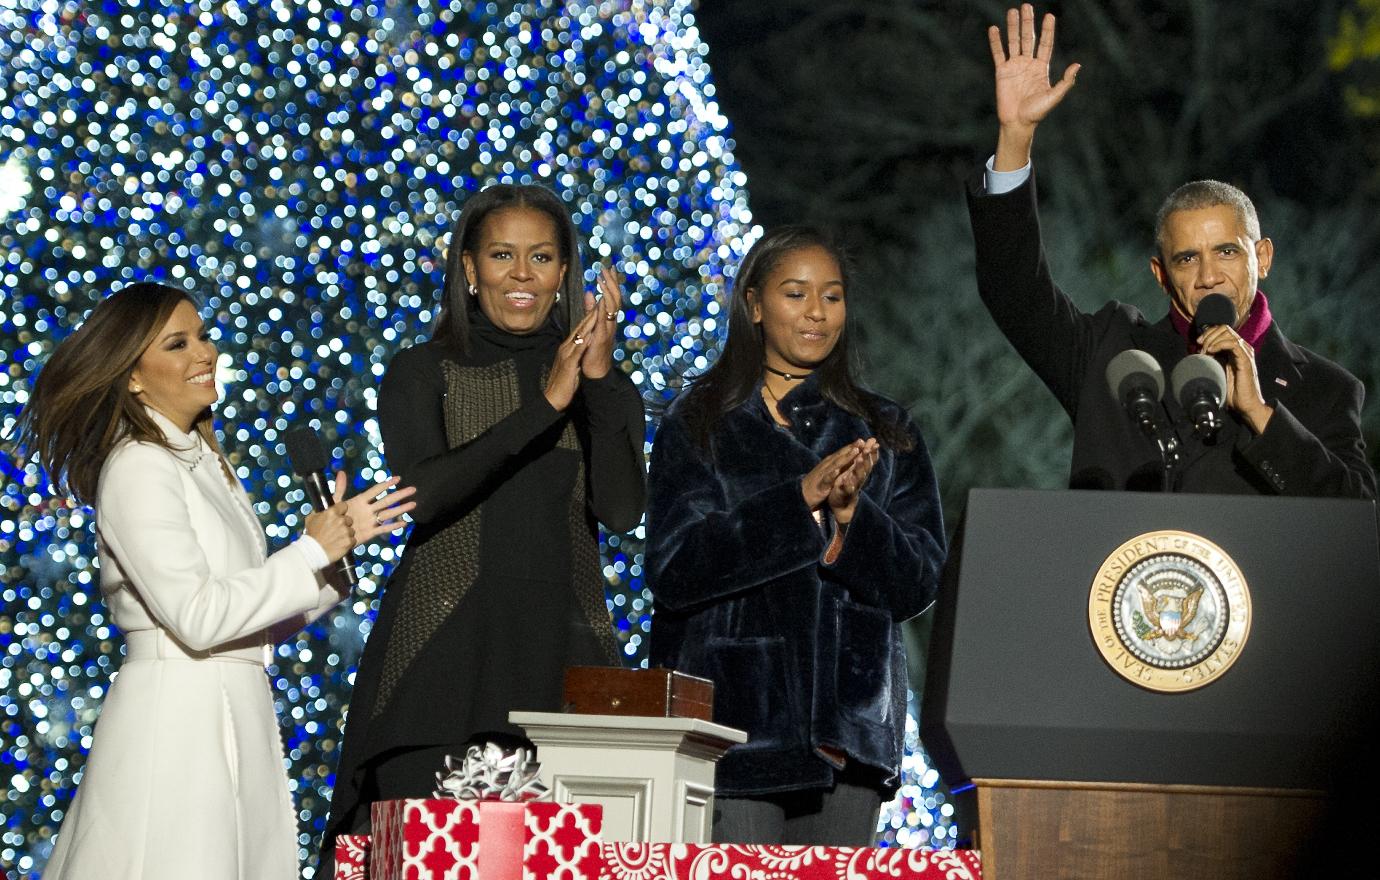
648,693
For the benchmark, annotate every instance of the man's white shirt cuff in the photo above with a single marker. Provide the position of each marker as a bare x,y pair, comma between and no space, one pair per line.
998,182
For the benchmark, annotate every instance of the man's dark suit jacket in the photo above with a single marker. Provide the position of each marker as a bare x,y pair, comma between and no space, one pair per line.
1312,444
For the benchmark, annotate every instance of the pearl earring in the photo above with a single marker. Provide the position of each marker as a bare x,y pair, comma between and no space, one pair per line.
473,292
558,296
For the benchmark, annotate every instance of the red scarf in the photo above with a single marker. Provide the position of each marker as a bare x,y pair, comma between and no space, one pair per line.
1253,330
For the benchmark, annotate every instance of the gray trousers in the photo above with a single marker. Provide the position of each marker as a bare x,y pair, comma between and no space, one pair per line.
845,815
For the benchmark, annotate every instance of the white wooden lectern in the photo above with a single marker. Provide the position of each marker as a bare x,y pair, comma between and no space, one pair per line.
654,777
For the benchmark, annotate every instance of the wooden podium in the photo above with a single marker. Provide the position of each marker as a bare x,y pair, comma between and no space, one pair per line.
1051,828
1079,771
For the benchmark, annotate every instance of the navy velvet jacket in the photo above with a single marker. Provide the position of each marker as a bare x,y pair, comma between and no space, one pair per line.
804,655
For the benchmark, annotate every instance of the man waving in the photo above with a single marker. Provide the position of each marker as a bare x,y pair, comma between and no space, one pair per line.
1291,420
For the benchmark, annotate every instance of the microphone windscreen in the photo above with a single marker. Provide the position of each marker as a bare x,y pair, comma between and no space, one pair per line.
1134,365
305,452
1214,309
1198,368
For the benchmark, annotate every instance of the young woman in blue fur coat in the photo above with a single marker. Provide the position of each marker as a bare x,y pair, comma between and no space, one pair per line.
794,523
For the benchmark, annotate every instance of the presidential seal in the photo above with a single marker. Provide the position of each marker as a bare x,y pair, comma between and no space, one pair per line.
1169,611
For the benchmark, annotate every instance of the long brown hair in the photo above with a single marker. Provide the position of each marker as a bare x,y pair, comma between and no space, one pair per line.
453,320
81,406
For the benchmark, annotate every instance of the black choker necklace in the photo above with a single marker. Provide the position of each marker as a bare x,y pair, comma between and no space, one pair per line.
793,377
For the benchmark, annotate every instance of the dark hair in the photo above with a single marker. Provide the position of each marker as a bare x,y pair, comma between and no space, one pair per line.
81,405
734,376
453,320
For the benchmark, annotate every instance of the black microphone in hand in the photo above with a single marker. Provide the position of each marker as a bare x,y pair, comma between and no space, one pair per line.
1200,387
1214,309
308,459
1136,381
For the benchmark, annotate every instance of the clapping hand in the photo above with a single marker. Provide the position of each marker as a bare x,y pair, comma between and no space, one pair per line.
588,350
839,478
843,497
598,356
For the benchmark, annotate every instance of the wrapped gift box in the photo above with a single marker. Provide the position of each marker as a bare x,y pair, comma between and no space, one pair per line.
684,861
440,839
352,857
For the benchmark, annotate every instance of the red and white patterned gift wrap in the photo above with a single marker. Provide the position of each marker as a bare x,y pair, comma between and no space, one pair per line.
436,839
352,857
684,861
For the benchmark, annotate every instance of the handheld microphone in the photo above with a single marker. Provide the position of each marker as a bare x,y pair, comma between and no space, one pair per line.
1137,382
1200,387
1214,309
308,460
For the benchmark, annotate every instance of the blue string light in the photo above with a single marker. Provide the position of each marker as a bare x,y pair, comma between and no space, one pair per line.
298,166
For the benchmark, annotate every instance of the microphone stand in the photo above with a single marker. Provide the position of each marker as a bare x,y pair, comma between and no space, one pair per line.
1169,457
1142,408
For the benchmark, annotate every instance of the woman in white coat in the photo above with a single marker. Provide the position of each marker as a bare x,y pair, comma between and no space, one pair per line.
185,777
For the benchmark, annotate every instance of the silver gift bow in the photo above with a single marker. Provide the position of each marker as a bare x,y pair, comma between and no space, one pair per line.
492,773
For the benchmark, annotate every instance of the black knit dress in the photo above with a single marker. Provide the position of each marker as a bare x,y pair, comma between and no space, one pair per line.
500,585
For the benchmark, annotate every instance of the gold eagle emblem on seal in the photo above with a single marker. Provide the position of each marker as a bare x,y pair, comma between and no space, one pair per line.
1169,611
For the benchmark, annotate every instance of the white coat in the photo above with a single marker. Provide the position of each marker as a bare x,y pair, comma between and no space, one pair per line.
185,778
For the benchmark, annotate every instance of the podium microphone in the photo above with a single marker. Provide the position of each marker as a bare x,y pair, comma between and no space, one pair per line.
1137,382
1200,386
308,459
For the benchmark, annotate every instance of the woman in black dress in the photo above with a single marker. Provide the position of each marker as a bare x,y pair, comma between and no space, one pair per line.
520,435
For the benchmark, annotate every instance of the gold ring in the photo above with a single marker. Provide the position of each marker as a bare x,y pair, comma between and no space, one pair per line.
609,315
579,340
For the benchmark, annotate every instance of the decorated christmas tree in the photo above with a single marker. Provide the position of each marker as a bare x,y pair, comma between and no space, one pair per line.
297,166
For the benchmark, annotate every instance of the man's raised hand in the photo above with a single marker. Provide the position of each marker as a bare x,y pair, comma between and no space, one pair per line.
1024,93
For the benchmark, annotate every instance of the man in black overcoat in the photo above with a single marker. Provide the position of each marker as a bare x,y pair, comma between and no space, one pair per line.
1291,420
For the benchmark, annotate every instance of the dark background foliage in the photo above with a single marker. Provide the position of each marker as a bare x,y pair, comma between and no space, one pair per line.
868,116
